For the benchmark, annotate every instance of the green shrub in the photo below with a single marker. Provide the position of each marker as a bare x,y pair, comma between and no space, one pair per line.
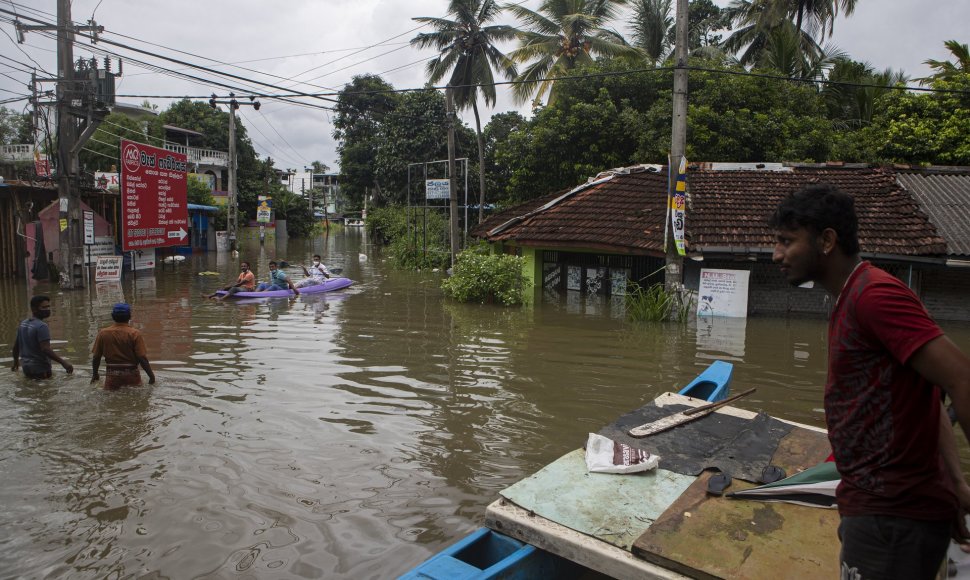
483,277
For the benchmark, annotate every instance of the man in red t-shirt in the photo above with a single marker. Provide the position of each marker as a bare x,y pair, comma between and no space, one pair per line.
902,491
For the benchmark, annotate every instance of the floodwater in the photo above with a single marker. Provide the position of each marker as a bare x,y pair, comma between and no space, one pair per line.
348,435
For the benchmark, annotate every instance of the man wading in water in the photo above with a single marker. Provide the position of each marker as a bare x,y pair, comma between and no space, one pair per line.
33,343
123,349
902,492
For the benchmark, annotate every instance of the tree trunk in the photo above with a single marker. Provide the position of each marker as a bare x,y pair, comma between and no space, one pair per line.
481,162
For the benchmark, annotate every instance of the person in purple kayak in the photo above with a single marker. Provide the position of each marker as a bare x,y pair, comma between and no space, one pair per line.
278,280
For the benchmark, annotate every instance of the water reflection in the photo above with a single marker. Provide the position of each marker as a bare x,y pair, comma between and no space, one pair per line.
338,435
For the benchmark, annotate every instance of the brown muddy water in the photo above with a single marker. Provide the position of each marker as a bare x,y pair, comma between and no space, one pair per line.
348,435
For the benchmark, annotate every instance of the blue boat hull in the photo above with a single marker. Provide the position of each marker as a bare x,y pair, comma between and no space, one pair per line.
712,385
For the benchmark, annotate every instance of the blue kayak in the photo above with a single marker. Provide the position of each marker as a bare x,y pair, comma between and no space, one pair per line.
330,285
711,385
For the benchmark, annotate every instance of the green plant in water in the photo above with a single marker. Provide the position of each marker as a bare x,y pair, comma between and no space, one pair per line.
653,304
483,277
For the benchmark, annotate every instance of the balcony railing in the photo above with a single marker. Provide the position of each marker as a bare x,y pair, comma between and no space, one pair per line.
17,152
201,156
195,155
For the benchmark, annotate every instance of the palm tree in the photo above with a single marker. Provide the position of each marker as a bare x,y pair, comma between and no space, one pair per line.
755,19
652,22
563,35
946,69
853,103
783,52
466,49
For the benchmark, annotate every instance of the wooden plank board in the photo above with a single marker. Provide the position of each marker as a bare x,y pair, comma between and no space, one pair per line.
613,508
509,519
714,537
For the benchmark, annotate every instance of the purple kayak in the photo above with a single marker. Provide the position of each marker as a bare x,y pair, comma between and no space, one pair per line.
330,285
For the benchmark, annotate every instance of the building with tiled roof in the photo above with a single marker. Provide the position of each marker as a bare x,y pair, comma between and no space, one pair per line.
596,236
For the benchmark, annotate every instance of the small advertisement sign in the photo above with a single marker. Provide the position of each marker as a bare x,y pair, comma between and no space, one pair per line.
103,246
437,188
106,181
88,227
723,293
108,269
153,193
264,210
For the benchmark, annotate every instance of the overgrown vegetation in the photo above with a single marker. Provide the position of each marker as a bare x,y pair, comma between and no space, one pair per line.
480,276
657,304
415,239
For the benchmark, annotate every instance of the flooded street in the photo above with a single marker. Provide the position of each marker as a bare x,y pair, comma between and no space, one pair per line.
345,435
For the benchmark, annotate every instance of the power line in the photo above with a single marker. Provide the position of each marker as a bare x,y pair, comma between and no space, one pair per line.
176,61
184,76
281,136
260,131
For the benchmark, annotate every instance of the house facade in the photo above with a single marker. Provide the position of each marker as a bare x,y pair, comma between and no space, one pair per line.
594,238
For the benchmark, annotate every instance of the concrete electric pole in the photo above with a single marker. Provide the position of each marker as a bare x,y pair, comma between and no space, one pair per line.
232,213
674,273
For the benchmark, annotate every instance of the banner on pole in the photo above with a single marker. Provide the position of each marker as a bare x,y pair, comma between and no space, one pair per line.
677,198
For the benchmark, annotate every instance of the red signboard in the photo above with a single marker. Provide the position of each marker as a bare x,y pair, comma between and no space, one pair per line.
153,192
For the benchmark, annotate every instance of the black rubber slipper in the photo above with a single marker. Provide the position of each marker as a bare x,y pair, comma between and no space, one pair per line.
718,483
772,473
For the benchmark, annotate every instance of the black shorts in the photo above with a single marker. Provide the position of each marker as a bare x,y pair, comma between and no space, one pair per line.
889,547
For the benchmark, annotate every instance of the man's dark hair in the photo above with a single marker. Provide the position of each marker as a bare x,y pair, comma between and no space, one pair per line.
272,263
36,301
121,317
244,262
317,256
817,208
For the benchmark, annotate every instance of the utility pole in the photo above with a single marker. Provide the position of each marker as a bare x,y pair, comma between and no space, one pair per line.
673,274
452,191
232,217
66,135
76,97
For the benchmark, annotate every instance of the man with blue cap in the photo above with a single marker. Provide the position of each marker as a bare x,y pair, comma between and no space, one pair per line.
123,349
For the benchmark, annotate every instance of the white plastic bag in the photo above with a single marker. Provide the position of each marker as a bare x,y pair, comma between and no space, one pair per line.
603,455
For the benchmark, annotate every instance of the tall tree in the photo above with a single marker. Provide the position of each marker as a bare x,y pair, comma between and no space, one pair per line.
361,105
15,128
466,49
561,36
755,20
783,53
946,69
851,105
652,23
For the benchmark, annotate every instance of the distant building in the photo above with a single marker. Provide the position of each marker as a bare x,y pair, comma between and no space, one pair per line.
307,183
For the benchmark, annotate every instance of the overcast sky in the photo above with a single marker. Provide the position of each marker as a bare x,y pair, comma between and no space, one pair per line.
324,44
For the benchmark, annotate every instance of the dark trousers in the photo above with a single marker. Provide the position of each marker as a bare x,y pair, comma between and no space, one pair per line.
888,547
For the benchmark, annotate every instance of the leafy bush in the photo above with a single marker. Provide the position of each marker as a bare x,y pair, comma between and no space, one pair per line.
483,277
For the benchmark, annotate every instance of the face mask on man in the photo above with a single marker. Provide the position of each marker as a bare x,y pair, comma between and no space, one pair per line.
316,262
42,314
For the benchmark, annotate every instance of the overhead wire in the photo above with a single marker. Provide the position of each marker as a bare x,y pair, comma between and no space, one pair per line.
270,141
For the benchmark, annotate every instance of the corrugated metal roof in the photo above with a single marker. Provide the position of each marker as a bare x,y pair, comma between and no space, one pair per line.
946,199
